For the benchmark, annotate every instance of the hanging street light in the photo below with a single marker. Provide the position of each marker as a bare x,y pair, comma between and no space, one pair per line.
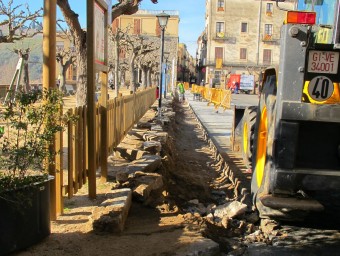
162,21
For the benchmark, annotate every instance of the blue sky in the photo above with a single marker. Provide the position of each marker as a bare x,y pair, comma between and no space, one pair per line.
191,15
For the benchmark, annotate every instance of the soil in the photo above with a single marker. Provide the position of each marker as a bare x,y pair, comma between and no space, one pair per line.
190,172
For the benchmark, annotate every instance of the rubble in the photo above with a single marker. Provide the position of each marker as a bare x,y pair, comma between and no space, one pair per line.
231,210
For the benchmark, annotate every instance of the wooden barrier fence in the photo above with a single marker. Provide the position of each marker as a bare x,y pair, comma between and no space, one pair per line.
122,114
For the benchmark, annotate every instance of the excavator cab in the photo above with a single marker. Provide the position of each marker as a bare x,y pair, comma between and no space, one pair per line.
295,145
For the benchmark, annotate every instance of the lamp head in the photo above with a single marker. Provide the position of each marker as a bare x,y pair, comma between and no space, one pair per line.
163,19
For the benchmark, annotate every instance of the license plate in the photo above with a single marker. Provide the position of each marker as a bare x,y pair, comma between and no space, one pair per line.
323,62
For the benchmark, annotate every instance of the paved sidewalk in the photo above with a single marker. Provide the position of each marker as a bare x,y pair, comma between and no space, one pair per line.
218,125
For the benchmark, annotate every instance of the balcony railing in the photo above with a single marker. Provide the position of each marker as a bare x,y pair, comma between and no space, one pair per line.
227,38
270,38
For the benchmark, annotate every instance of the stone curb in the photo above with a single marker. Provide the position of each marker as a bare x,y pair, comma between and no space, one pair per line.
230,170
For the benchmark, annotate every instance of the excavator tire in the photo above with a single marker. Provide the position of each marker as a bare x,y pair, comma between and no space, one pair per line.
263,150
248,132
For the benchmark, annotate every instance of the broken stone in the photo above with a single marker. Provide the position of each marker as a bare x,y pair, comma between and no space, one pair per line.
144,125
147,163
122,176
268,226
210,208
203,246
116,185
135,135
146,184
162,137
111,215
194,201
131,143
157,128
210,218
153,147
218,193
231,209
169,114
253,217
225,222
130,154
250,228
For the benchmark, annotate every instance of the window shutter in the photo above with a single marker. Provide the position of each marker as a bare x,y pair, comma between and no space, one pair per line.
136,27
115,25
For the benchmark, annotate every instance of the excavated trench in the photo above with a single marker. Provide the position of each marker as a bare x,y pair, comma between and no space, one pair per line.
196,183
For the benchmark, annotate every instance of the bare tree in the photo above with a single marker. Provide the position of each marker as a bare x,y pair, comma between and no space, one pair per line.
136,47
65,59
116,38
19,22
79,38
145,61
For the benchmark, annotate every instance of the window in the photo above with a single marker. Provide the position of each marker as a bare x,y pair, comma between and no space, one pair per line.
267,56
244,27
220,5
269,9
268,29
219,27
243,53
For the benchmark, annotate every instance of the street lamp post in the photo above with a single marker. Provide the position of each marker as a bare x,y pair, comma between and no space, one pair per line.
162,21
166,55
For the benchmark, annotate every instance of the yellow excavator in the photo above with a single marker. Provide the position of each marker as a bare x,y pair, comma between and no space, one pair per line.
291,140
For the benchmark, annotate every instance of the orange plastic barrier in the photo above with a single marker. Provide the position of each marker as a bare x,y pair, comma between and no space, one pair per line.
215,97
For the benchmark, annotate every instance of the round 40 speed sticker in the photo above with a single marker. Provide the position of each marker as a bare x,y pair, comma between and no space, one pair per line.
320,88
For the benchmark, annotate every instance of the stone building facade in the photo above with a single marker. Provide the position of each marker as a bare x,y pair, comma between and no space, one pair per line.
240,37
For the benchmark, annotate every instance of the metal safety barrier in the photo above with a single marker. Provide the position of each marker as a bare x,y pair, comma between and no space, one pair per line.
217,97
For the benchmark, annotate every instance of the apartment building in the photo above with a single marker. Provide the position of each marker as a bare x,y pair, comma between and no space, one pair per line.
186,64
144,23
240,37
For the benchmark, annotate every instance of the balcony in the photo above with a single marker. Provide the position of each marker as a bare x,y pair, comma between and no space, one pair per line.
226,38
269,13
270,38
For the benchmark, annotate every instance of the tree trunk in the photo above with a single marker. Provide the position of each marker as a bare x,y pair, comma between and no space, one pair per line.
79,37
27,86
148,77
62,85
132,72
144,77
81,78
116,45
